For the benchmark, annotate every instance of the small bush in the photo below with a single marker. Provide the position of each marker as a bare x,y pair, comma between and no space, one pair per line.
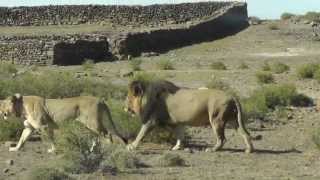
269,97
127,125
279,68
243,66
273,27
74,140
121,158
170,159
217,84
136,64
165,64
312,16
218,66
10,129
287,16
307,70
46,173
144,76
281,113
264,77
266,66
73,136
6,68
88,65
58,85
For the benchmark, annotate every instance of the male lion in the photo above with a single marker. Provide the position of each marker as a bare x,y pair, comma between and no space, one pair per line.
169,105
43,114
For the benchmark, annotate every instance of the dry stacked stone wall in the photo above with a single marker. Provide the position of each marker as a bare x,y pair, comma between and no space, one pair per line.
147,15
172,26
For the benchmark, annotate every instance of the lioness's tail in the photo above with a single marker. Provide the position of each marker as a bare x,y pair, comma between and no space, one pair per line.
240,120
112,127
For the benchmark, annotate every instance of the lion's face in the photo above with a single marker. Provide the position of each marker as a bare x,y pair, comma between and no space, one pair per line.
9,106
133,103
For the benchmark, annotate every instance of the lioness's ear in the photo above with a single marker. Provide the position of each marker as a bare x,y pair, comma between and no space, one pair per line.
16,98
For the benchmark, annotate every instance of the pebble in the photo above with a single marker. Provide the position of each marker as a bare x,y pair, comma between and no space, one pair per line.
6,170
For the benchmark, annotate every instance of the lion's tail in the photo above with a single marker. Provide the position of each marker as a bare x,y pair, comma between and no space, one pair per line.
110,124
240,120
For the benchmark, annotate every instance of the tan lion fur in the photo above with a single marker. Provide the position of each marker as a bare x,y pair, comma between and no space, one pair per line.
44,114
169,105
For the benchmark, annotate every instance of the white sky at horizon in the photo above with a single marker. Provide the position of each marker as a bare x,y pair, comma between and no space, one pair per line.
269,9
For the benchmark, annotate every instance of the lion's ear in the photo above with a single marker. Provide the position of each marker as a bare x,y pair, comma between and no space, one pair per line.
138,90
16,98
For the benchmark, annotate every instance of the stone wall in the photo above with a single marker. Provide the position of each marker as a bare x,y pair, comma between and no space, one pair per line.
211,21
226,22
46,50
147,15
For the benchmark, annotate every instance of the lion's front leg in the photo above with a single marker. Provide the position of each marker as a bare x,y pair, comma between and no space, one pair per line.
143,131
27,131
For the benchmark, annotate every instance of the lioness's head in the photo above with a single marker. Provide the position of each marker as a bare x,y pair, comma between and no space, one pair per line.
133,102
11,105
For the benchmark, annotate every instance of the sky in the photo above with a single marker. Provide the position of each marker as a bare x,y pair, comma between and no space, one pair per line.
265,9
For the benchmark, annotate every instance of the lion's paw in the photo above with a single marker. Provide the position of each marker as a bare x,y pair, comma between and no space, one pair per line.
131,147
176,148
13,149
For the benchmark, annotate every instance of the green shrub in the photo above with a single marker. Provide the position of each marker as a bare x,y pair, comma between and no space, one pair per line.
88,65
74,140
269,97
312,16
266,66
169,159
316,138
286,16
10,129
243,66
73,136
136,64
165,64
264,77
6,68
280,68
46,173
144,76
281,113
58,85
120,158
273,26
217,84
218,66
307,70
127,125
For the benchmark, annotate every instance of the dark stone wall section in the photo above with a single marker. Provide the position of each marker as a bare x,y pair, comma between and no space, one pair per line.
76,53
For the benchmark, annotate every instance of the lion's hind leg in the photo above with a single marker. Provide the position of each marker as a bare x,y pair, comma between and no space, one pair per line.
179,132
50,133
218,126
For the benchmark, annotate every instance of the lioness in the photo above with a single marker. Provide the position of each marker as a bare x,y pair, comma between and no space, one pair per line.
43,114
169,105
